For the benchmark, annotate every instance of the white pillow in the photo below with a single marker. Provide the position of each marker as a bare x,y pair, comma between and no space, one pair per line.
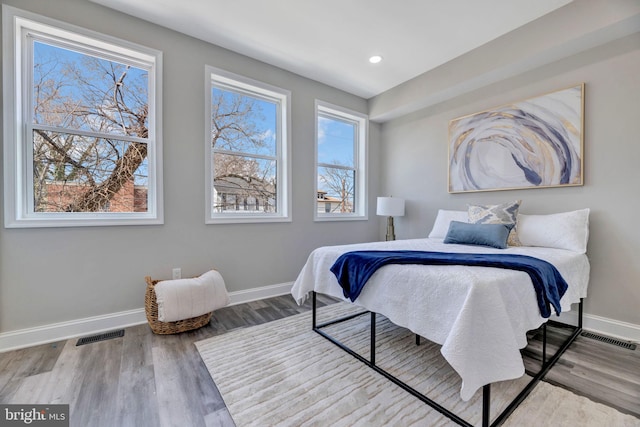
444,218
566,230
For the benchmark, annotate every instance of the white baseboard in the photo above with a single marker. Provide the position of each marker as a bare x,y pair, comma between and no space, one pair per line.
97,324
240,297
604,326
94,325
71,329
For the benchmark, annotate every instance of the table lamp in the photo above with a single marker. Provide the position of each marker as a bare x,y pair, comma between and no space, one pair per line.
390,207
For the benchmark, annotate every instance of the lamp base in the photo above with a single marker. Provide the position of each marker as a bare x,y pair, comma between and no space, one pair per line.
391,235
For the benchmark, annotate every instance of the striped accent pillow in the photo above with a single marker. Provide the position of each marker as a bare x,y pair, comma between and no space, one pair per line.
506,213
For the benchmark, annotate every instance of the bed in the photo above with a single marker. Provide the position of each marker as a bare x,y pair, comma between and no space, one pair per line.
480,315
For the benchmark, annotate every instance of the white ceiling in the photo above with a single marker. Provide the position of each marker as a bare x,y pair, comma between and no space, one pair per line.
331,40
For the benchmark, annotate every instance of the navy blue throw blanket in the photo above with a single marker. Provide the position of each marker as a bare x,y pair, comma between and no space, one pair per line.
353,269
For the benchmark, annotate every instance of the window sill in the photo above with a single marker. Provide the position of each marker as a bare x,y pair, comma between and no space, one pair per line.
340,217
249,219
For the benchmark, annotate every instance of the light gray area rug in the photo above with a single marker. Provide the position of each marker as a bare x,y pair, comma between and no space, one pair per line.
283,374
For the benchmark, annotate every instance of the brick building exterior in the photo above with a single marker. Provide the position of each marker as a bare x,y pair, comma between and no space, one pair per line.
60,194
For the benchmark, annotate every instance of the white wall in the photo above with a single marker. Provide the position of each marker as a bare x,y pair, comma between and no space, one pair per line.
57,275
414,149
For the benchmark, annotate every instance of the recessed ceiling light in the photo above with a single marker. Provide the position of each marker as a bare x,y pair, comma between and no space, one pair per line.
375,59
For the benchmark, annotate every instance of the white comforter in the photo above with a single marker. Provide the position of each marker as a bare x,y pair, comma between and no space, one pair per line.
480,315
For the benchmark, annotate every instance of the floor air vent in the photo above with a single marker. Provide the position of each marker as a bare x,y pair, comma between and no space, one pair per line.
609,340
100,337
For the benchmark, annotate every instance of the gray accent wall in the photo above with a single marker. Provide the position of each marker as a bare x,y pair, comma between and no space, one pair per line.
414,149
51,275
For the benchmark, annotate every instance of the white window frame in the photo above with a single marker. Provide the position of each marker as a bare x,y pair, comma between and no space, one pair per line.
17,26
360,162
282,97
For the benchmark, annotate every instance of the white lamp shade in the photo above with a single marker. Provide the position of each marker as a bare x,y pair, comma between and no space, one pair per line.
390,206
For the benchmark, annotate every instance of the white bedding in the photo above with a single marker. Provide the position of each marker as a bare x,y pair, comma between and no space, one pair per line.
479,315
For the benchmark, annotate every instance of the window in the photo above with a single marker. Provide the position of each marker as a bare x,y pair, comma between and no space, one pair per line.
82,143
247,155
341,153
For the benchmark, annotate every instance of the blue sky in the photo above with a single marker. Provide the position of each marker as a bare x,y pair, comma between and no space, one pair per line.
263,117
335,141
54,61
335,136
52,65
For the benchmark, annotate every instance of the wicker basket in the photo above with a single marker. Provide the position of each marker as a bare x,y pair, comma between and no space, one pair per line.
163,328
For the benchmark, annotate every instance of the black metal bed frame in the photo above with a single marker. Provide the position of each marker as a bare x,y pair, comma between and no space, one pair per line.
486,389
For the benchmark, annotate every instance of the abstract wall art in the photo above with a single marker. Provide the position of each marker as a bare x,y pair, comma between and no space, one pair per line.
534,143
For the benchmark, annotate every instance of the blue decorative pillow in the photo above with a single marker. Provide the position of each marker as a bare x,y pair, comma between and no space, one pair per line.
494,235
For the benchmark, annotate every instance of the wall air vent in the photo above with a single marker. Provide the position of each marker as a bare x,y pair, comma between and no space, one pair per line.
100,337
609,340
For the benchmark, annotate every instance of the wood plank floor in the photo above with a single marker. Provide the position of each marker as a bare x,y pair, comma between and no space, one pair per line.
144,379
